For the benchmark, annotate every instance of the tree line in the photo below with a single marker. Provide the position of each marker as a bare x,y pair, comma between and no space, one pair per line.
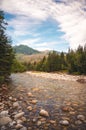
73,62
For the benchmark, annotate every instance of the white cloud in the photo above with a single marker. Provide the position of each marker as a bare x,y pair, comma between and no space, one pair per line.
70,14
73,22
30,42
45,45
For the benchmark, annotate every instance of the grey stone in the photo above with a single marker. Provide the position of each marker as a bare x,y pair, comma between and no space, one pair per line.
64,122
3,128
4,114
15,105
39,123
81,117
18,126
23,128
5,121
19,115
78,122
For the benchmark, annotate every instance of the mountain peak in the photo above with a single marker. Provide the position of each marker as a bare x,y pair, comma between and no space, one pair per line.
24,49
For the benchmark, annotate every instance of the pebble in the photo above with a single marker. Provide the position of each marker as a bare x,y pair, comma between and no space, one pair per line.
52,122
81,117
29,94
18,126
19,121
12,123
29,108
34,120
23,128
44,113
34,101
65,108
64,122
23,119
1,103
39,123
5,120
10,98
3,128
4,114
19,115
78,122
15,105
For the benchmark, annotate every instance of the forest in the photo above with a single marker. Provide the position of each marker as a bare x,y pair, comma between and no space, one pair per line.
73,62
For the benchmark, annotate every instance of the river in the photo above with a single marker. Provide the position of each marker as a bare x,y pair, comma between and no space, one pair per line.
52,95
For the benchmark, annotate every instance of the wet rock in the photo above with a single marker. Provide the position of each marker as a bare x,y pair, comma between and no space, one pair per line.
66,118
5,121
64,122
19,115
18,126
4,88
14,99
34,101
52,122
10,98
72,113
29,94
19,121
44,113
78,122
12,123
23,128
3,128
29,128
81,117
39,123
34,120
22,90
29,108
23,119
15,105
81,80
4,114
1,103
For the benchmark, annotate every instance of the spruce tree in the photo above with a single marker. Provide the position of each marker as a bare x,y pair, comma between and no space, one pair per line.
6,52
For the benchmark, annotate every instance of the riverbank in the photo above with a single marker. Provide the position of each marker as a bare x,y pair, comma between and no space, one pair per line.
58,76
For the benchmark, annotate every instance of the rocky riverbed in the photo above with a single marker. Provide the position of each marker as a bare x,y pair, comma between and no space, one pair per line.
35,101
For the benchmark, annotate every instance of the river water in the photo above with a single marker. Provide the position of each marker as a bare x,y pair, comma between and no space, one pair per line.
53,94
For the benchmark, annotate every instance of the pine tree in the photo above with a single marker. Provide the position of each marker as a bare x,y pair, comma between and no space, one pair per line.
6,52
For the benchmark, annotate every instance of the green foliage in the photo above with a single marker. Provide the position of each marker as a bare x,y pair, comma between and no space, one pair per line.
2,79
6,51
23,49
74,62
17,67
53,62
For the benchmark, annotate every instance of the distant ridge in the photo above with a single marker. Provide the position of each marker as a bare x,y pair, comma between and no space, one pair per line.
23,49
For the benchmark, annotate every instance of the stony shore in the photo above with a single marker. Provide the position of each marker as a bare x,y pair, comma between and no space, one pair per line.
41,108
58,76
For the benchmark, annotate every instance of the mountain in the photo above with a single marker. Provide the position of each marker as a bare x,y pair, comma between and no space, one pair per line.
23,49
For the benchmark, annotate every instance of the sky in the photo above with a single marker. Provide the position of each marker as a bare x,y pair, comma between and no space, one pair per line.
46,24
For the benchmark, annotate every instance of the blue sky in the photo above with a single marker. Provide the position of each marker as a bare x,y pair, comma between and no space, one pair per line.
46,25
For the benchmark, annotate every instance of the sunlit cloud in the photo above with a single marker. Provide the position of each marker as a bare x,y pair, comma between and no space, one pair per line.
69,15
